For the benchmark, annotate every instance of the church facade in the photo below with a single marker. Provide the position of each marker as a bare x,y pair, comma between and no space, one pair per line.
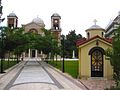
36,26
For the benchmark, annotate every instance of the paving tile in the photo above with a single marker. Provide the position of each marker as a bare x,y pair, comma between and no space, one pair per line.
37,76
33,73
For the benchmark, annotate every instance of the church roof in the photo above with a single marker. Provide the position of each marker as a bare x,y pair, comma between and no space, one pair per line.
84,40
12,14
96,27
55,14
38,21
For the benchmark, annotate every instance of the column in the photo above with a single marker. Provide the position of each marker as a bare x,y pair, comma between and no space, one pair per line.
73,56
23,54
36,53
29,53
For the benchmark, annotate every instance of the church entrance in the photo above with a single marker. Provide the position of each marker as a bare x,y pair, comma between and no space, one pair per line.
33,53
96,63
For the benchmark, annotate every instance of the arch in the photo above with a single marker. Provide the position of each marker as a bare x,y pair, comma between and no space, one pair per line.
88,35
33,30
97,61
102,34
96,48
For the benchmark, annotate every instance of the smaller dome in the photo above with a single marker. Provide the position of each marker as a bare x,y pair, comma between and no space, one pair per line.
94,27
38,21
12,14
55,14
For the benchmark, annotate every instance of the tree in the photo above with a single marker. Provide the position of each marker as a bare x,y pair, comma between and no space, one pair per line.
45,43
114,56
15,40
70,43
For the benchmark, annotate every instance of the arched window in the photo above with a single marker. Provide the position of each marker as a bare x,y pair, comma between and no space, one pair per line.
88,35
33,31
102,34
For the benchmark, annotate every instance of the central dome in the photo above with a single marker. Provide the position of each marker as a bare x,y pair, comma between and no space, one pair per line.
38,21
12,14
55,14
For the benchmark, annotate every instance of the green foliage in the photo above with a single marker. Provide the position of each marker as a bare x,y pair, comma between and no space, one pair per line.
46,43
8,64
112,88
17,41
114,56
70,44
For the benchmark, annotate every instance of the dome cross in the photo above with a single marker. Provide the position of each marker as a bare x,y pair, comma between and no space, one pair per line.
95,21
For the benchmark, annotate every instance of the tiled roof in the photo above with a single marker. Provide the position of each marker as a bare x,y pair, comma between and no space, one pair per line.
84,40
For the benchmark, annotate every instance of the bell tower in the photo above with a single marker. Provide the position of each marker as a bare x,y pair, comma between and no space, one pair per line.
55,22
55,26
12,20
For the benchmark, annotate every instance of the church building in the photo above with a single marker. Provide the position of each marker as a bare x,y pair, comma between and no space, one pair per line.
36,26
92,59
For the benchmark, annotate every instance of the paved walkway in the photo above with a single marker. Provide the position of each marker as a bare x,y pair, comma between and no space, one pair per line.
98,84
37,75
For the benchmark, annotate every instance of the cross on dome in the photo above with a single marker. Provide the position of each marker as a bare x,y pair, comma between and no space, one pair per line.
37,16
95,21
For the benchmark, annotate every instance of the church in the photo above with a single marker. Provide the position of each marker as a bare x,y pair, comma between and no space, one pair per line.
92,58
36,26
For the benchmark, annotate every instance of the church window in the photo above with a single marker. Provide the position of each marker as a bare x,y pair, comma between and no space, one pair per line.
33,31
102,34
56,24
88,35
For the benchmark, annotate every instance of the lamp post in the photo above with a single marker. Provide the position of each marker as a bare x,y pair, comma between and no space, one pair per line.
2,36
63,67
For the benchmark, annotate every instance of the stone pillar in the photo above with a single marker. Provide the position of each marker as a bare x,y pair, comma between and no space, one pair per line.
29,53
23,54
73,56
36,53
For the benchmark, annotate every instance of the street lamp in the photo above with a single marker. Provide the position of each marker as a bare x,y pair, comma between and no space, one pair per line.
63,67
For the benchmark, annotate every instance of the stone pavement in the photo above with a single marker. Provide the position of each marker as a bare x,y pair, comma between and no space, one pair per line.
98,84
8,76
37,75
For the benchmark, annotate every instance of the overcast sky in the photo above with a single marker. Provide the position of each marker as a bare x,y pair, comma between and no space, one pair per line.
75,14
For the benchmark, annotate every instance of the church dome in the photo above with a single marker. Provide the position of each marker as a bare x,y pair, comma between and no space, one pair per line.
55,14
38,21
12,14
94,27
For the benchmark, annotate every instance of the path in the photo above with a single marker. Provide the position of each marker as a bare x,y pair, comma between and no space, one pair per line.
37,75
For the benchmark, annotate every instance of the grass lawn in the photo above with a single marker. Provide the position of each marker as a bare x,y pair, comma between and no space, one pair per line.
71,67
7,64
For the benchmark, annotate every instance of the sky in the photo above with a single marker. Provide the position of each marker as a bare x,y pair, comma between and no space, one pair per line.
75,15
